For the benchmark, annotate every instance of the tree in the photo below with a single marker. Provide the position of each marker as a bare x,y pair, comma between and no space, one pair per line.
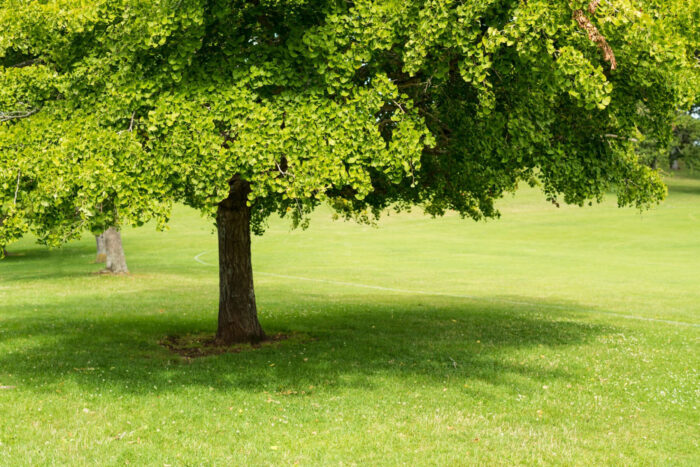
682,147
101,250
685,145
59,182
247,108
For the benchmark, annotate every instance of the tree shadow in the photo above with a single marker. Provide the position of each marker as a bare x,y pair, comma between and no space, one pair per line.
349,344
686,183
36,252
71,260
686,189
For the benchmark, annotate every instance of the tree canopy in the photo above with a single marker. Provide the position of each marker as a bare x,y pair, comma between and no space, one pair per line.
112,110
130,104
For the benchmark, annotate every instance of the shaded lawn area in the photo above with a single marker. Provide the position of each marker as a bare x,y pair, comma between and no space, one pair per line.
535,362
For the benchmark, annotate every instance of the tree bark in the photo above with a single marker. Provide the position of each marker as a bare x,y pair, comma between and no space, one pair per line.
675,165
116,261
238,315
101,250
4,251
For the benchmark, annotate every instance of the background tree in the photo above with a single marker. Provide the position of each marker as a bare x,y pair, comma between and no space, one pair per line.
101,256
59,182
683,147
246,108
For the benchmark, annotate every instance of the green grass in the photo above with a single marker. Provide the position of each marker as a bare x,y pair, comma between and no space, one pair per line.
555,336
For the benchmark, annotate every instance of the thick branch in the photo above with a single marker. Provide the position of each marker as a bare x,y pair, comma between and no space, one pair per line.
593,34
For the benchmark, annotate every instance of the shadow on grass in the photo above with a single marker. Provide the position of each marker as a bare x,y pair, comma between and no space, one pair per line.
686,189
37,252
71,260
417,338
684,183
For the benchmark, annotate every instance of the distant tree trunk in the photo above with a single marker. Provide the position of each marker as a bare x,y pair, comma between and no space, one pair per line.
675,165
101,249
238,315
115,261
4,251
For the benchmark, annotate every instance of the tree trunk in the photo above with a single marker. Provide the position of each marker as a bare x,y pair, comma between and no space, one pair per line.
115,261
238,315
101,250
675,165
4,251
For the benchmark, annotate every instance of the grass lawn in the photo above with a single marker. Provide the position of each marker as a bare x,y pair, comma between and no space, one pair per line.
550,336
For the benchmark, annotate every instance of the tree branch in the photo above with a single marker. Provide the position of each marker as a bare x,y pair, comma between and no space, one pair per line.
26,63
17,114
611,136
593,33
19,174
131,123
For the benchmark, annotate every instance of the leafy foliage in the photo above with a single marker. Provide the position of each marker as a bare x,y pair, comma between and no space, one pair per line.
686,141
113,109
683,147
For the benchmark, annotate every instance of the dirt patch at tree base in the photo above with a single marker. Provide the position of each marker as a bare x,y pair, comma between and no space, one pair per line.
204,345
107,272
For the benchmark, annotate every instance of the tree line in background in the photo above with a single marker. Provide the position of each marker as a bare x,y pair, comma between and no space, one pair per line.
683,148
111,111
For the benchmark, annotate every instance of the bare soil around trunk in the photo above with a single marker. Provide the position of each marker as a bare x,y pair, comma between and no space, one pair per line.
204,345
